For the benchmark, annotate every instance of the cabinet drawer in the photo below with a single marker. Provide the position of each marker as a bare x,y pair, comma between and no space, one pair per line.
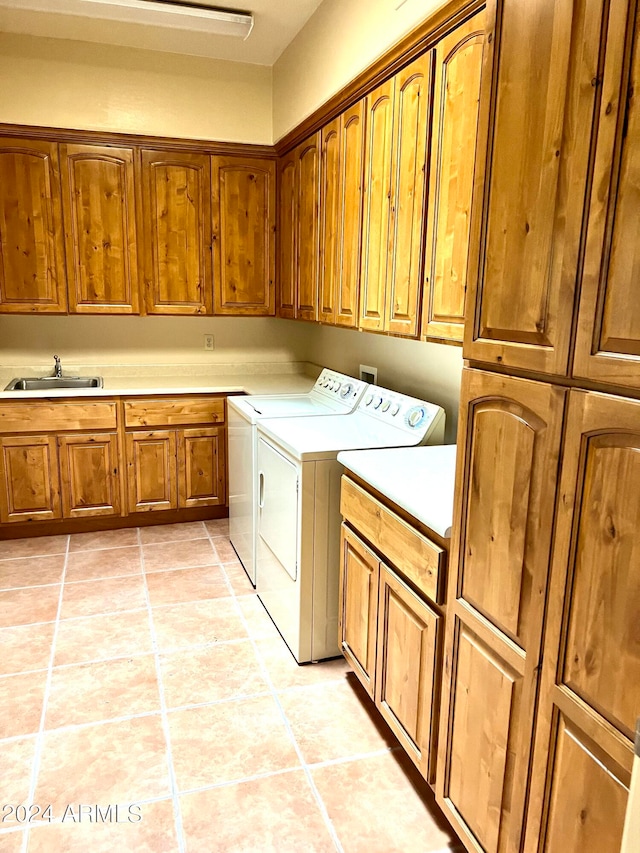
173,412
50,416
415,556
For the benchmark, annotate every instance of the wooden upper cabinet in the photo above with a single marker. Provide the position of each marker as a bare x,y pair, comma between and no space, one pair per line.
608,336
176,232
590,690
376,206
308,228
341,227
412,111
509,447
32,273
531,181
458,67
100,228
244,210
330,191
287,216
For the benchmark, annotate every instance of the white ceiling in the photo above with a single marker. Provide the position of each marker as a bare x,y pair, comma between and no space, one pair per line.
276,23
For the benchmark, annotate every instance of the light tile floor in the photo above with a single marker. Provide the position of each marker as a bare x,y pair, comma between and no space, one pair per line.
139,667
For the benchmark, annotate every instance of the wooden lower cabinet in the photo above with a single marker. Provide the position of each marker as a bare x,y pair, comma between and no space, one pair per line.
508,450
201,467
590,686
29,478
89,475
357,620
151,470
406,668
390,636
171,469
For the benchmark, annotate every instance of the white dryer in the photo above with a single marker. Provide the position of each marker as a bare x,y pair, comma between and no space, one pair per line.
298,545
333,394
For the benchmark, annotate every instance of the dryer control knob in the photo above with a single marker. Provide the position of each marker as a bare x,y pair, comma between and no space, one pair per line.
346,390
377,403
368,400
386,405
416,417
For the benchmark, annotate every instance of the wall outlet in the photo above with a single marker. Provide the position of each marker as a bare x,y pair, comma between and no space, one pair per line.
209,342
369,374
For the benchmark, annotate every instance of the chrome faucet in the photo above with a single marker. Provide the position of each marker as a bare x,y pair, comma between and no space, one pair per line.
57,370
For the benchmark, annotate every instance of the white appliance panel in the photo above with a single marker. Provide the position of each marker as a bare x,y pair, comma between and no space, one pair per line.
278,506
242,505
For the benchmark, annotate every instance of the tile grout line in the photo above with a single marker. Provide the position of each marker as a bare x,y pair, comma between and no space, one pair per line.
305,767
175,799
37,757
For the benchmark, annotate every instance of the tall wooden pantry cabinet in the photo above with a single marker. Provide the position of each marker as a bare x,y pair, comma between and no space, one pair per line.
541,688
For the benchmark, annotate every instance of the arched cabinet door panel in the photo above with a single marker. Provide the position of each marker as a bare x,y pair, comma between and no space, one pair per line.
458,67
32,273
509,447
608,334
590,686
100,228
176,232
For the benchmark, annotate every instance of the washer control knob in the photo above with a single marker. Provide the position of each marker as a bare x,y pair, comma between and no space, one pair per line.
395,409
377,402
368,399
416,417
346,390
386,405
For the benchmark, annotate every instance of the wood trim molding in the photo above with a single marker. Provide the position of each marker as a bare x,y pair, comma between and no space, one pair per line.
97,137
419,40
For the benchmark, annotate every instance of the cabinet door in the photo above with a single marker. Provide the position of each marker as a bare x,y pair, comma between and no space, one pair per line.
407,683
151,465
458,66
100,228
590,690
176,232
244,209
531,182
287,217
509,445
330,193
341,206
608,337
412,114
308,228
32,274
351,164
357,617
29,479
89,475
377,206
201,467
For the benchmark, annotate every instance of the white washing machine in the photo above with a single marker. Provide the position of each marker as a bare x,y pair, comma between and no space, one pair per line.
298,546
333,394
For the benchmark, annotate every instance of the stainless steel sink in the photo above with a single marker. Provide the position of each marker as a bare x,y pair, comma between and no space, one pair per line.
55,383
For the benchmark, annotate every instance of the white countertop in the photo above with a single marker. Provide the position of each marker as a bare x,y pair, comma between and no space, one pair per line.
253,379
418,479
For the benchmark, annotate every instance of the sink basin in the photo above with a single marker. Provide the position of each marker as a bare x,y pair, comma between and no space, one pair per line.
55,383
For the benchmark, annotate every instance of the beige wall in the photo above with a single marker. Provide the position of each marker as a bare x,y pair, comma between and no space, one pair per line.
428,371
59,83
31,341
341,39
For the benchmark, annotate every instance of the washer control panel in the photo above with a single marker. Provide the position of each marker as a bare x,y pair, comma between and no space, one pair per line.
407,413
345,390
